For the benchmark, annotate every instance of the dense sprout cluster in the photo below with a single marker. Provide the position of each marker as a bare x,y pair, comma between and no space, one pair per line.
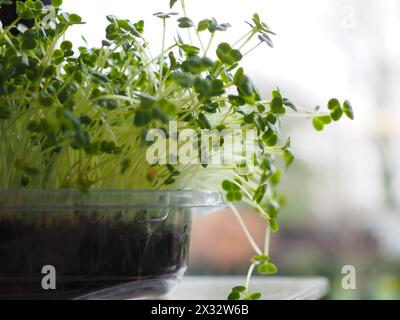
77,117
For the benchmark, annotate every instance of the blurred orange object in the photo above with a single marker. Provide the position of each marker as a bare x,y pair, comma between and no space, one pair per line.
218,241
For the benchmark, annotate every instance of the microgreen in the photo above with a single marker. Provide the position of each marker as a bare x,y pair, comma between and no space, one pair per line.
77,117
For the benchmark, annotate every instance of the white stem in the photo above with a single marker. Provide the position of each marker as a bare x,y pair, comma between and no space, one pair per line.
245,230
249,273
267,238
162,58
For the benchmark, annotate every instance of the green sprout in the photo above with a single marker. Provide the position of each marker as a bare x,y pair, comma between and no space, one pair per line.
77,117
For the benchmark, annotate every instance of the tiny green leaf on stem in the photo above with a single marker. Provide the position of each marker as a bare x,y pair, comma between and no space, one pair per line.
164,15
267,268
203,25
172,3
185,22
234,296
260,258
289,104
277,103
264,37
239,289
56,3
260,192
336,110
227,55
288,157
274,225
348,110
270,138
318,124
255,296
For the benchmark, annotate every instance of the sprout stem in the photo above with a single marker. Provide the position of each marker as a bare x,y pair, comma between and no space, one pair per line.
245,229
248,278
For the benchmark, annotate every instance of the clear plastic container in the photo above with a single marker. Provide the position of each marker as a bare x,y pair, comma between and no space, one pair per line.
104,244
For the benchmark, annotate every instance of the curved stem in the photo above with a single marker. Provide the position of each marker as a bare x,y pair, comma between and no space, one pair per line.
209,43
249,274
245,229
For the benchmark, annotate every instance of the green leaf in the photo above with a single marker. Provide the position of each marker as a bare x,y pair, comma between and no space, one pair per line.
208,87
236,100
276,177
212,25
289,104
167,107
264,37
348,110
196,64
185,22
185,80
56,3
274,225
270,138
336,110
261,258
272,209
66,46
30,34
188,49
164,15
288,157
203,25
239,78
235,195
255,296
234,295
223,26
333,104
172,3
239,289
260,192
142,118
74,19
318,124
277,103
203,121
238,195
46,101
227,185
29,39
325,119
24,11
261,26
267,268
227,55
29,43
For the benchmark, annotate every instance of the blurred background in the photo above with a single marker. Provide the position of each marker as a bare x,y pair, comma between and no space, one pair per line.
342,192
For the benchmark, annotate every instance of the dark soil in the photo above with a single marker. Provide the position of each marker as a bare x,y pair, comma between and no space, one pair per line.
91,254
8,13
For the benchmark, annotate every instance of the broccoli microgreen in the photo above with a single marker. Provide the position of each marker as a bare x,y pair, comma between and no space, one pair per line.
76,117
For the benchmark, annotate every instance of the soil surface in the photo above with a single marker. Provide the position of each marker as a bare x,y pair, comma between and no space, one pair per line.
89,255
